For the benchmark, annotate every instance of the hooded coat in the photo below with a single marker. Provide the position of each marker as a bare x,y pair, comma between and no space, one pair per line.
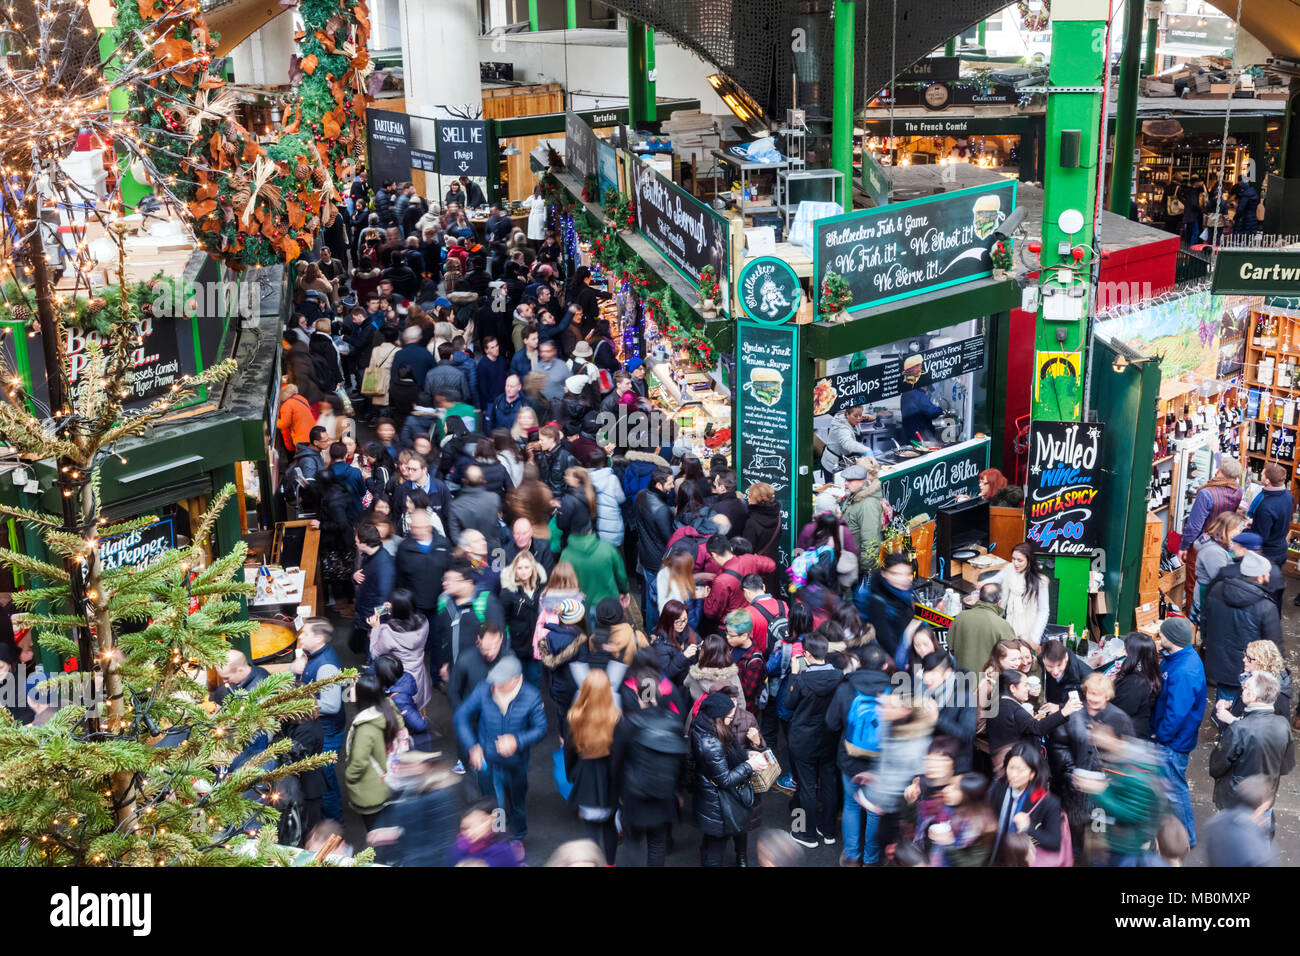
598,565
1236,611
408,647
864,514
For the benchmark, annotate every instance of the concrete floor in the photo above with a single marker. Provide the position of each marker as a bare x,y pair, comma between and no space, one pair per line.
551,821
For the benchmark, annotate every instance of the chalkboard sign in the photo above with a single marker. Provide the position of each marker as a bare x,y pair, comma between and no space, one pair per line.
689,234
1063,506
579,146
767,389
907,248
138,548
390,146
935,480
462,147
886,379
424,160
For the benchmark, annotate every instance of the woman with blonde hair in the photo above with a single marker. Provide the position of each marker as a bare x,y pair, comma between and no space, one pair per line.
592,720
521,594
1264,656
676,581
525,421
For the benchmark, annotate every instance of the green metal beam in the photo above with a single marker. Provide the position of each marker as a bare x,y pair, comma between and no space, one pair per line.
1149,64
571,15
842,92
636,73
950,48
118,99
981,33
651,108
532,16
1121,180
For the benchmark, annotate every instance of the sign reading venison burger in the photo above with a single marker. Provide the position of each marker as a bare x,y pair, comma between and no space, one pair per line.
863,386
1062,503
907,248
689,234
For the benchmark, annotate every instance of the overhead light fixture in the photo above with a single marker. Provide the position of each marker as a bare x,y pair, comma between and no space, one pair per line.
1120,363
740,103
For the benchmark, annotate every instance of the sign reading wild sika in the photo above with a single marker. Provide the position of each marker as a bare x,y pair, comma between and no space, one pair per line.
1063,505
688,233
903,249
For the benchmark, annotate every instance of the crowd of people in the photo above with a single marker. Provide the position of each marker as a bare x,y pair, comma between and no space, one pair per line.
488,544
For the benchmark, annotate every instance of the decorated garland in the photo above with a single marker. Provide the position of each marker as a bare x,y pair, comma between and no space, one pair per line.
1002,258
1034,22
251,205
836,295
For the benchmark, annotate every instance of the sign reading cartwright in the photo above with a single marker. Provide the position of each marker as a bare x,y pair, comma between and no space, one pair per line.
1257,272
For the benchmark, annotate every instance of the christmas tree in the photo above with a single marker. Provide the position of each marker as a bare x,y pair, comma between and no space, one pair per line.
836,295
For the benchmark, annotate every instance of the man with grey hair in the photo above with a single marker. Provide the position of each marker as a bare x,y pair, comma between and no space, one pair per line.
498,723
1257,743
977,630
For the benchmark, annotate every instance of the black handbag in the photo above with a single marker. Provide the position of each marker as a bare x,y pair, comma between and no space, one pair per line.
736,802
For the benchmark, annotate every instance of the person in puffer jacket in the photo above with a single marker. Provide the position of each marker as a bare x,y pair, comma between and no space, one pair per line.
720,764
559,645
609,501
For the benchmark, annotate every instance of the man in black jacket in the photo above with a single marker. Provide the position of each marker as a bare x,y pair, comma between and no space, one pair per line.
415,474
421,562
1063,671
870,680
813,682
1259,742
654,523
953,694
521,539
460,615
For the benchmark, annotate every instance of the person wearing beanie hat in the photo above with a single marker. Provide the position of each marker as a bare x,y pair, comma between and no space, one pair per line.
1176,719
723,798
572,612
609,612
636,367
497,725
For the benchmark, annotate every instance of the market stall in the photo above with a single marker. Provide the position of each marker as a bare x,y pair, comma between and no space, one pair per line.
912,334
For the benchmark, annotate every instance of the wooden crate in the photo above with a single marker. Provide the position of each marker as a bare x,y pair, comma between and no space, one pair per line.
1151,536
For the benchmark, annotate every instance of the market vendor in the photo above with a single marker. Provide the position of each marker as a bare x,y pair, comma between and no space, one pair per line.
918,412
842,445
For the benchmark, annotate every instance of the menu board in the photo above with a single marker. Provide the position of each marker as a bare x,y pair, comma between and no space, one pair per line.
766,416
689,234
1062,505
579,146
390,146
140,547
935,480
863,386
425,160
907,248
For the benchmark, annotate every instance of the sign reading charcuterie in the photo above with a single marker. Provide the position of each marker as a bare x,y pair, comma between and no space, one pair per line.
1063,505
907,248
863,386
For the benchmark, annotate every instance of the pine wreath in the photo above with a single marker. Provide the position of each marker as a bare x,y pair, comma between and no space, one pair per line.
250,204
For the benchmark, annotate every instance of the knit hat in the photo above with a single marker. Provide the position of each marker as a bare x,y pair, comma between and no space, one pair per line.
442,302
1178,630
825,503
634,363
571,611
505,670
574,384
716,705
609,612
1254,564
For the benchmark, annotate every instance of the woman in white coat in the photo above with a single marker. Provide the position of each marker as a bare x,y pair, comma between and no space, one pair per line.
536,216
1024,594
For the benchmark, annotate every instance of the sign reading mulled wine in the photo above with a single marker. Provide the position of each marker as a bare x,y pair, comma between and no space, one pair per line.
907,248
936,480
688,233
863,386
137,548
1064,477
765,416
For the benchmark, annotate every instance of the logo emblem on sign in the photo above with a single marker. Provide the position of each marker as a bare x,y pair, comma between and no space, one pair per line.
769,290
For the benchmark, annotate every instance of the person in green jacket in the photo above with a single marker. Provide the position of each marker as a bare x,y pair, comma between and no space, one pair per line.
599,567
374,730
863,511
1130,796
977,630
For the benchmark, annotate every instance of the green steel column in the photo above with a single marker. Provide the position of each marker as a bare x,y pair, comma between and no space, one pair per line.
651,99
571,15
1153,27
494,162
1126,112
118,100
636,71
1077,63
842,93
532,16
980,33
950,48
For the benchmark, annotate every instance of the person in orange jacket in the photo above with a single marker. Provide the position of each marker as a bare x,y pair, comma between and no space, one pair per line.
296,417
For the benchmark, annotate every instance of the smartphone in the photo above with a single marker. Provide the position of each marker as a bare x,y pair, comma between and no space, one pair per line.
533,434
385,611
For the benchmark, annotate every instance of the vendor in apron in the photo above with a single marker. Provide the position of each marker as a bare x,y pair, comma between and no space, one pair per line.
842,445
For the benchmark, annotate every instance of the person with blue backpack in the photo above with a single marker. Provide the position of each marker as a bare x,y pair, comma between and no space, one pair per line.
854,715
